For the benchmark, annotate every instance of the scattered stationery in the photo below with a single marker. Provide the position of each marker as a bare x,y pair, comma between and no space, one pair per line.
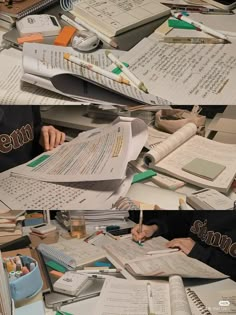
201,27
113,18
139,84
182,147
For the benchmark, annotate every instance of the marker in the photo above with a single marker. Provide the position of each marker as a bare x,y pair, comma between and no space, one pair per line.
99,271
71,22
103,37
162,251
182,204
140,224
193,40
150,300
92,67
199,26
200,9
139,84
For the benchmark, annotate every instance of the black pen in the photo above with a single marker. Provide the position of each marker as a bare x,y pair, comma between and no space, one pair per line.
200,9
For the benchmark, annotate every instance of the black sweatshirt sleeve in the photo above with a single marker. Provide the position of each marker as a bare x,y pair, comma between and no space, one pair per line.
172,224
215,258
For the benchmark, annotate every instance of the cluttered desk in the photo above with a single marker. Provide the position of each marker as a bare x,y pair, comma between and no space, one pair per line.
192,52
104,271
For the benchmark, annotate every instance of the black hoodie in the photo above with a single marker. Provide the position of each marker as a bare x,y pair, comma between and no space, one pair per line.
19,134
213,231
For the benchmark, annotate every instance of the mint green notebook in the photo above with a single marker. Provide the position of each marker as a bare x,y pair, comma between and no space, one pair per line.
204,168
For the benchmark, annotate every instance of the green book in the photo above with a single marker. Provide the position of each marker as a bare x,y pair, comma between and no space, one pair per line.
204,168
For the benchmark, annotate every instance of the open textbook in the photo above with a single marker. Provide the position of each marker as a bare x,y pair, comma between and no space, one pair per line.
185,73
45,66
136,260
184,146
115,17
97,155
130,297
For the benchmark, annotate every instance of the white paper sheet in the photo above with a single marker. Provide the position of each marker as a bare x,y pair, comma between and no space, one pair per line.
103,155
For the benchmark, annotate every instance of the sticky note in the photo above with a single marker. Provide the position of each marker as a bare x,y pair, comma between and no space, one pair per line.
38,161
204,168
142,176
180,24
56,266
118,70
102,264
64,37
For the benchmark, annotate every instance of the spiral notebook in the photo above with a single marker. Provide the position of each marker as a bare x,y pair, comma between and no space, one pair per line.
57,255
25,7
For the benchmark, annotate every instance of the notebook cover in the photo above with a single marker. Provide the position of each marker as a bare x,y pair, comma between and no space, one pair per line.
204,168
18,8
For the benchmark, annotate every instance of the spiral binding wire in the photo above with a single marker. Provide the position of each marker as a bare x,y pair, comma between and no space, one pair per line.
125,203
198,302
67,5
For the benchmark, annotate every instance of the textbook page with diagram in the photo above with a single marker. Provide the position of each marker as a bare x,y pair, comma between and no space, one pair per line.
138,262
98,155
185,73
115,17
130,297
184,146
47,62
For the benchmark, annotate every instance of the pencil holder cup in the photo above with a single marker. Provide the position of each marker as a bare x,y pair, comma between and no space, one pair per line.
27,285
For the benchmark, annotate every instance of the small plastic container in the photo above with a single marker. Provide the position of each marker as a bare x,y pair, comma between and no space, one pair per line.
84,41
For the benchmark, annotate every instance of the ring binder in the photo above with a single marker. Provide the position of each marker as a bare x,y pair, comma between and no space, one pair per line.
197,302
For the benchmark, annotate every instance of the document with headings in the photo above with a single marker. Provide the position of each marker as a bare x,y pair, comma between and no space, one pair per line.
182,147
186,74
136,260
47,61
101,154
141,297
116,17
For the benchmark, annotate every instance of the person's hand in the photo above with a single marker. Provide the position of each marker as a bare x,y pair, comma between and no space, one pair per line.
184,244
147,231
50,137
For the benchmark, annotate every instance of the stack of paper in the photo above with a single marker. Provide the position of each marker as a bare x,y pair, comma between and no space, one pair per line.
10,225
90,172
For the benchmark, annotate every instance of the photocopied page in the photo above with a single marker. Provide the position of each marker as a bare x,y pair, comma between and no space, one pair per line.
81,251
102,156
129,297
5,298
127,250
170,144
171,264
26,193
48,61
185,74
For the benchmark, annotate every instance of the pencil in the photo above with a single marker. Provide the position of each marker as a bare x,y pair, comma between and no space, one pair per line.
92,67
182,204
140,224
139,84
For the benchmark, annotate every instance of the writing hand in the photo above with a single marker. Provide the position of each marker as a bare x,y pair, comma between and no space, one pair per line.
184,244
147,231
50,137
